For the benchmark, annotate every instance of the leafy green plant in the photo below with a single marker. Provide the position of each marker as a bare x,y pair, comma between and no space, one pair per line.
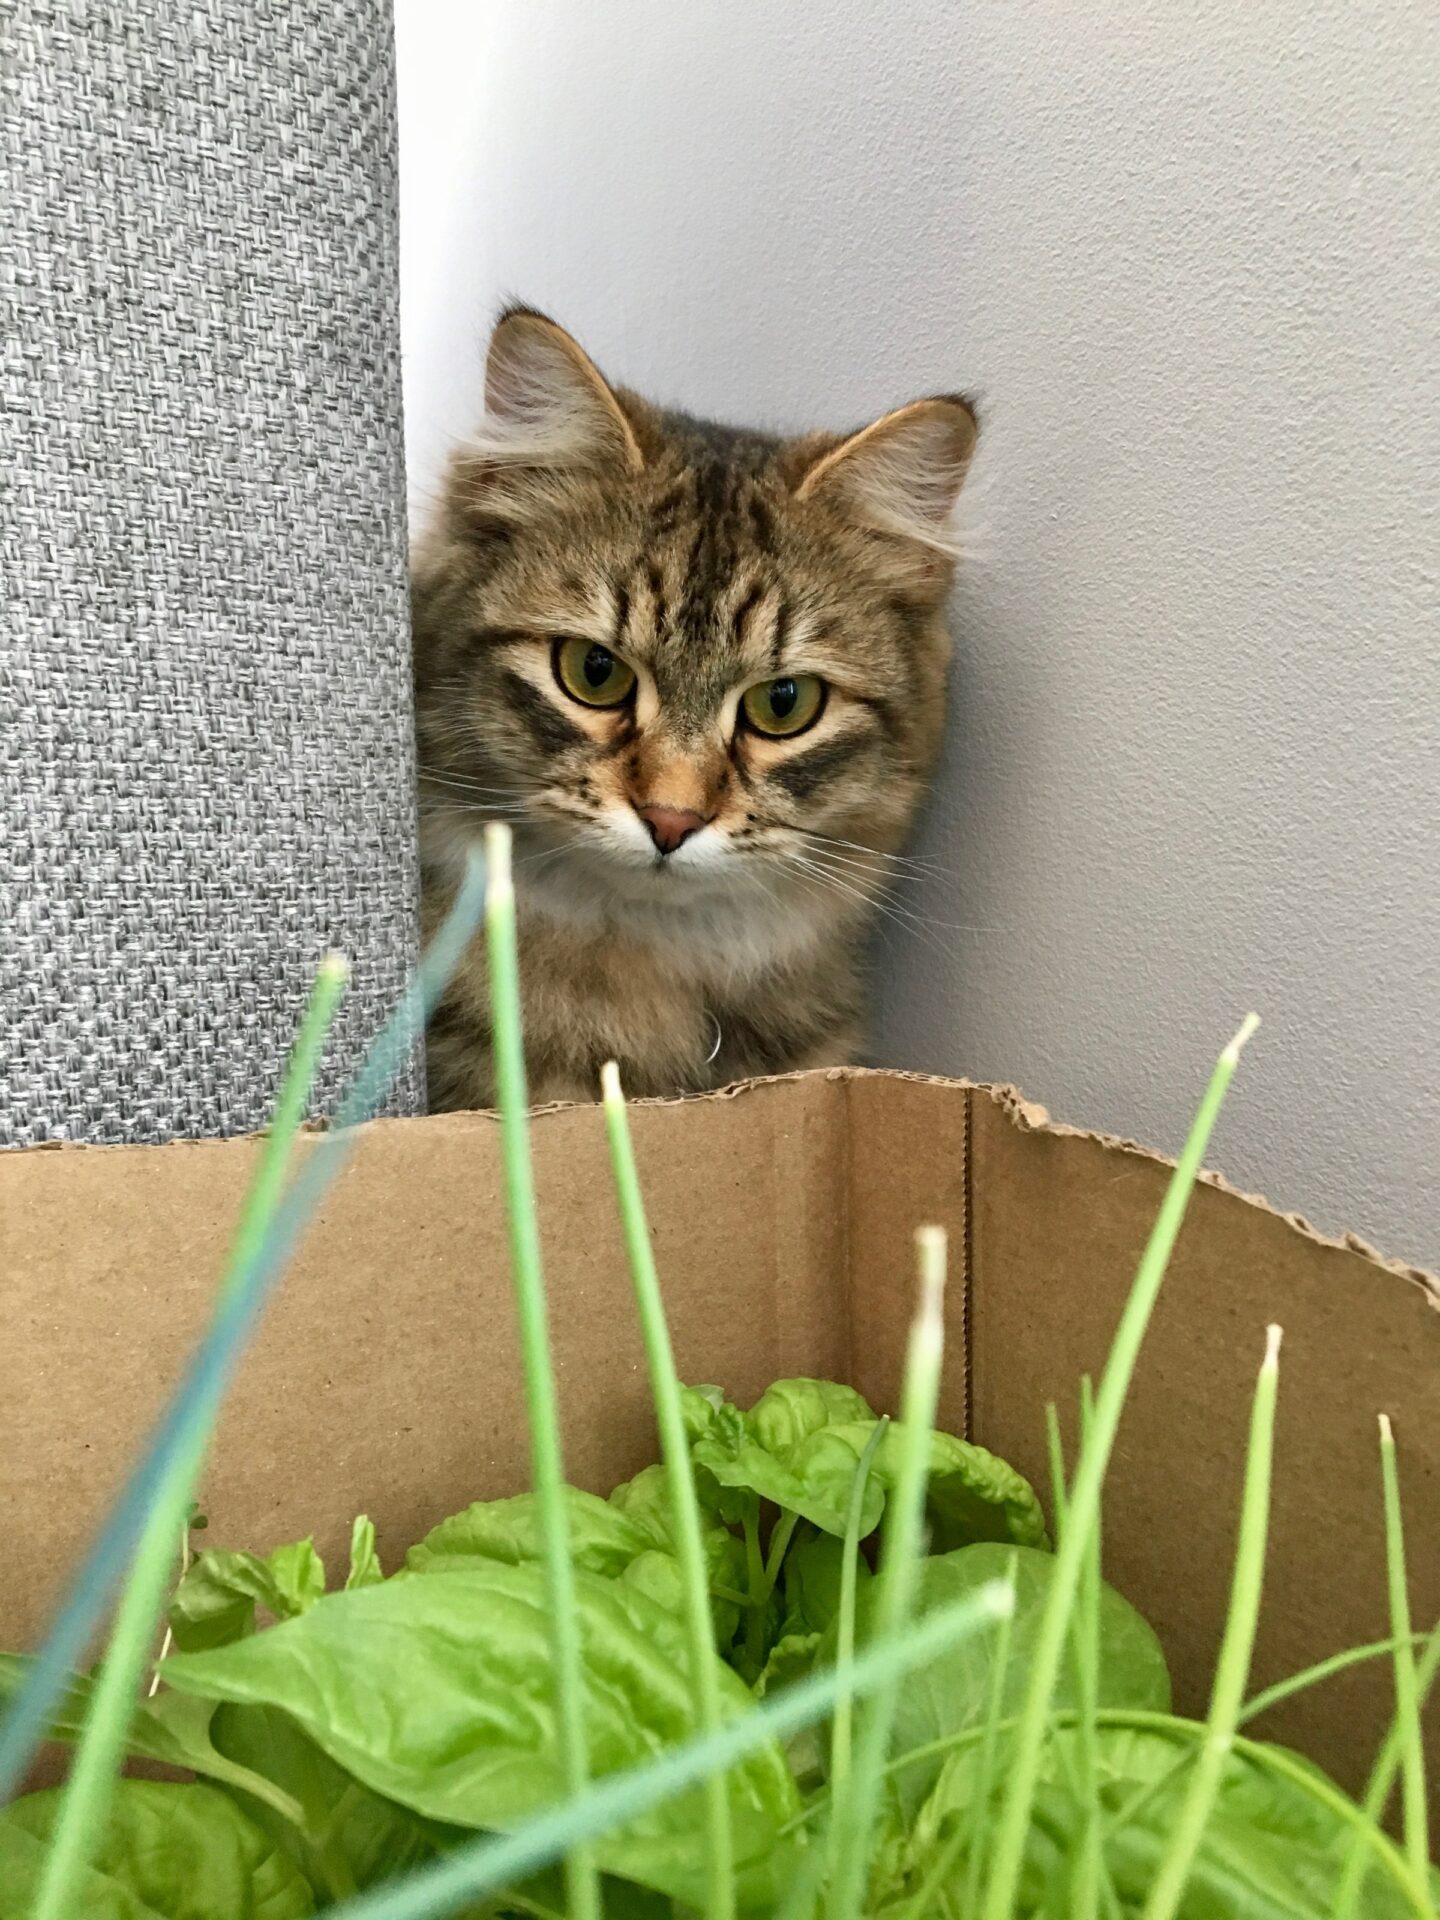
708,1692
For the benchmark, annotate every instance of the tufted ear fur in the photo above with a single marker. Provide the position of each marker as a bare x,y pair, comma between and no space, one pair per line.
902,475
547,404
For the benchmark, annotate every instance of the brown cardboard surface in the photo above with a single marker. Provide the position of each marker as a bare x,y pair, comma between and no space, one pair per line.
909,1167
1059,1220
385,1377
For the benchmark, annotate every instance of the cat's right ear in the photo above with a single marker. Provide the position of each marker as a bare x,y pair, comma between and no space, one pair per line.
547,405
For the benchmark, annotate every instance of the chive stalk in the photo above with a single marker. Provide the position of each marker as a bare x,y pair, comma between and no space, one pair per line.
1092,1873
1084,1503
680,1485
1403,1750
1321,1670
854,1817
1369,1839
582,1881
219,1351
1297,1774
1407,1707
970,1823
804,1888
841,1729
1232,1670
85,1805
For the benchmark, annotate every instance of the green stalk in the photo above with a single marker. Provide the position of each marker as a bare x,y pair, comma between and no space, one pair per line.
1085,1652
488,1862
1091,1871
1382,1778
841,1730
1055,1459
1407,1707
1260,1703
781,1535
1312,1676
854,1816
1297,1773
968,1827
680,1483
1232,1670
1084,1505
85,1807
759,1592
581,1878
804,1888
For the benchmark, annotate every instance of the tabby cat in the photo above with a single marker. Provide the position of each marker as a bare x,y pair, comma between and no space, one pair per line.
701,673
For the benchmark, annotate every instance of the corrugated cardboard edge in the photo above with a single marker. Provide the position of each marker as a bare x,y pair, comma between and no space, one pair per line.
1026,1115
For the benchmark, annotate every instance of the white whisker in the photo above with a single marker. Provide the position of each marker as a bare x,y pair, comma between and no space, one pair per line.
874,853
927,927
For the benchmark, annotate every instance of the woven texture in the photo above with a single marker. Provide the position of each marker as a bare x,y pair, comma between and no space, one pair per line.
205,738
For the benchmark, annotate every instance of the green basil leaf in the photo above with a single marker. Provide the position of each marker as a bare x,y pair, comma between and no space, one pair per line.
167,1852
645,1503
439,1694
700,1407
814,1569
951,1694
370,1839
791,1658
365,1568
297,1578
657,1575
603,1539
800,1444
751,1457
215,1602
716,1437
170,1727
971,1494
750,1473
792,1410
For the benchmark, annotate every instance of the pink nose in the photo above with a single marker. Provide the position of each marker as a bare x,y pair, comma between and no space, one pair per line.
671,827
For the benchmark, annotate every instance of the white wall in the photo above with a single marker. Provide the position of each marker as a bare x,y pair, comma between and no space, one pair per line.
1189,259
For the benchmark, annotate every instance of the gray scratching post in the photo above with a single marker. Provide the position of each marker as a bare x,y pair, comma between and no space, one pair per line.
205,738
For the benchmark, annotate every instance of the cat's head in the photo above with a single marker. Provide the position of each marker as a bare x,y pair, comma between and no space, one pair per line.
690,664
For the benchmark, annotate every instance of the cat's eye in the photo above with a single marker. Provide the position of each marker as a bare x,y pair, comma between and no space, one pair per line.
592,674
784,707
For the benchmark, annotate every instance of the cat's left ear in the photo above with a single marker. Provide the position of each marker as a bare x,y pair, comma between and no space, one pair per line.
903,474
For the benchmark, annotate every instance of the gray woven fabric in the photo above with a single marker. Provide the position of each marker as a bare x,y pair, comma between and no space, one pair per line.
205,737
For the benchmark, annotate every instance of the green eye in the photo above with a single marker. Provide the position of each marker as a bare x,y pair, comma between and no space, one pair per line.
785,706
592,674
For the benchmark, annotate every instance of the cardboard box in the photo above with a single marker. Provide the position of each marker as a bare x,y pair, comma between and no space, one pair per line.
386,1378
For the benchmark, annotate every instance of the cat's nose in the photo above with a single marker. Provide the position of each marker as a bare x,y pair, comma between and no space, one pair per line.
671,827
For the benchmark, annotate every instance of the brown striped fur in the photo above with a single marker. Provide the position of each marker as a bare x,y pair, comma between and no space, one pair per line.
708,559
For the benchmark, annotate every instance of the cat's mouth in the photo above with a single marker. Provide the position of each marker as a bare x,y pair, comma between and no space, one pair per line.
617,851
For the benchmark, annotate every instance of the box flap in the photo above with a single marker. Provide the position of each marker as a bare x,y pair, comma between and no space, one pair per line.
1058,1221
385,1377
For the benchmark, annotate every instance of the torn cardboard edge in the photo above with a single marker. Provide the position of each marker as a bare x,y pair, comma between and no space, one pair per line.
1026,1114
